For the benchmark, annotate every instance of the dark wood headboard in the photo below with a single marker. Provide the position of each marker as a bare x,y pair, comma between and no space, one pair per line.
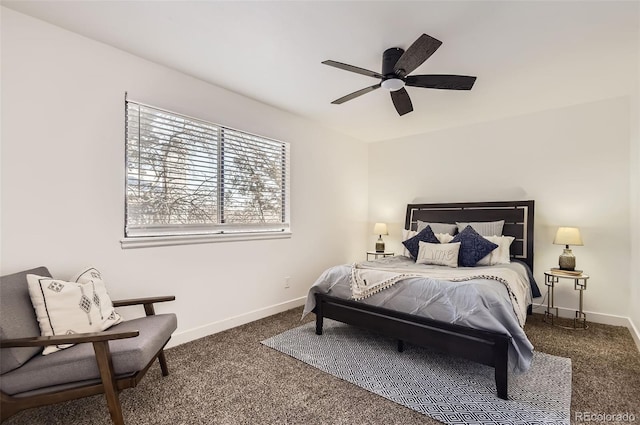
517,216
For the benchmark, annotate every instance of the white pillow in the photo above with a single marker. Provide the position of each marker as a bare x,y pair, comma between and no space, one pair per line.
64,308
437,227
483,228
444,237
438,254
500,255
407,234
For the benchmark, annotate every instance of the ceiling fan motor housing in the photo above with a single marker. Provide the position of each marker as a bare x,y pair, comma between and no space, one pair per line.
389,59
390,80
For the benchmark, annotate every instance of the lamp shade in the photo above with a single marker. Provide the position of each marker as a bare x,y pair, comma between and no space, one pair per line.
568,236
380,229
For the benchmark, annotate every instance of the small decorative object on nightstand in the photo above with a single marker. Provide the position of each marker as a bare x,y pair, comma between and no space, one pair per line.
377,254
380,229
567,236
552,277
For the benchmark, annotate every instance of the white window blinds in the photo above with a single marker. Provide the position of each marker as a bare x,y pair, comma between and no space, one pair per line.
190,177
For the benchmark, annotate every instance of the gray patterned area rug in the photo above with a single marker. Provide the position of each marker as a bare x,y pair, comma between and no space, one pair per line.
450,390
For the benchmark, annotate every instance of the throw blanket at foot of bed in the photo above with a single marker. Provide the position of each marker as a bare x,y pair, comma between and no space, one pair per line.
367,280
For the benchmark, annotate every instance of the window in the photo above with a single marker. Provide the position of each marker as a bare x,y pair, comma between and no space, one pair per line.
190,177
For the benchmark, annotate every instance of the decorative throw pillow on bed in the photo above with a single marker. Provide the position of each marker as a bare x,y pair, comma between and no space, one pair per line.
444,237
473,247
64,308
438,227
484,228
413,244
438,254
407,234
500,255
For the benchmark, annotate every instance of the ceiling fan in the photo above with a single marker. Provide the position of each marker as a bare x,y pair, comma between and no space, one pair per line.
396,67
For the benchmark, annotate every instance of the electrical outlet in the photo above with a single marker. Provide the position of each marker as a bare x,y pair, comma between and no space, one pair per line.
286,282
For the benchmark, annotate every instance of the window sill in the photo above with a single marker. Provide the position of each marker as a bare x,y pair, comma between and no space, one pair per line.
153,241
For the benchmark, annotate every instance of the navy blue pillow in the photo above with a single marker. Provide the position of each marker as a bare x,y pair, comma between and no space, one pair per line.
413,244
472,247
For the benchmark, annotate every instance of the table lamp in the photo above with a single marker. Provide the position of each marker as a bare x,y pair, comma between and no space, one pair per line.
380,229
567,236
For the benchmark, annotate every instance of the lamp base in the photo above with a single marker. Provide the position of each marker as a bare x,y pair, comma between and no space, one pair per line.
567,260
380,244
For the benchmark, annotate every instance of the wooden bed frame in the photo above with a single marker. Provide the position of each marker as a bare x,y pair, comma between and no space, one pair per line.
485,347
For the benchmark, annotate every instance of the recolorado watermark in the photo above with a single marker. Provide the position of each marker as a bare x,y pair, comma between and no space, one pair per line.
584,417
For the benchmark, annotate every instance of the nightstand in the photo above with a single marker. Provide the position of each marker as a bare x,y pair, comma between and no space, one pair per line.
377,254
551,278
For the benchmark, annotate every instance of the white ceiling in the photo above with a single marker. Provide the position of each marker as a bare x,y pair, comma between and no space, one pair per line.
528,56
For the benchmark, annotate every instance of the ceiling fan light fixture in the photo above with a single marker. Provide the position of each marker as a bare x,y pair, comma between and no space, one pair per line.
393,84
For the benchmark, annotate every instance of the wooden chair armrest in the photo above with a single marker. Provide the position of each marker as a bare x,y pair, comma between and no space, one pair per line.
41,341
146,302
139,301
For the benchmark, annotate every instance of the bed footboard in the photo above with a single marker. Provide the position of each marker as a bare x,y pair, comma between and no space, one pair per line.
485,347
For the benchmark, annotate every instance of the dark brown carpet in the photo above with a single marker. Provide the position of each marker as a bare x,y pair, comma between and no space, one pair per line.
230,378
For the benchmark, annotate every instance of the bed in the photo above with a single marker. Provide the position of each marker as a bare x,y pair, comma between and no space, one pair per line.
500,346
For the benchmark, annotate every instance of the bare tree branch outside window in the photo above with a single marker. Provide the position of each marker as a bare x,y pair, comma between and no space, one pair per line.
189,176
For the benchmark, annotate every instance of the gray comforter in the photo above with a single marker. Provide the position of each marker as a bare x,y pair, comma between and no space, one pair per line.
478,303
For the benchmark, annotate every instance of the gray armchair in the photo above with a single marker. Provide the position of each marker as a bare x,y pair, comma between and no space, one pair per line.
101,362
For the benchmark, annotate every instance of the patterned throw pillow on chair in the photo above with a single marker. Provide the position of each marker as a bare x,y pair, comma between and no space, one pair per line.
62,308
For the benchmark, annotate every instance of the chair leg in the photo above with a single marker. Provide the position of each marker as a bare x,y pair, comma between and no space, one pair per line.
150,311
163,363
105,364
8,407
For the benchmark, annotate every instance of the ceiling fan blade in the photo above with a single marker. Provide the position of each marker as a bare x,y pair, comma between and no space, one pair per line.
355,94
448,82
352,69
416,54
401,101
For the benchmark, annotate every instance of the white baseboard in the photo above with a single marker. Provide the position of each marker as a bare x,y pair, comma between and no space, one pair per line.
606,319
231,322
635,333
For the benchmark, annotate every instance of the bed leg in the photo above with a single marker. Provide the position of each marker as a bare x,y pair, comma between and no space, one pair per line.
400,346
318,311
318,325
501,370
501,383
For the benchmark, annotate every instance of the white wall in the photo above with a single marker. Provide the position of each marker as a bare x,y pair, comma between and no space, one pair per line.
63,181
574,162
634,300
